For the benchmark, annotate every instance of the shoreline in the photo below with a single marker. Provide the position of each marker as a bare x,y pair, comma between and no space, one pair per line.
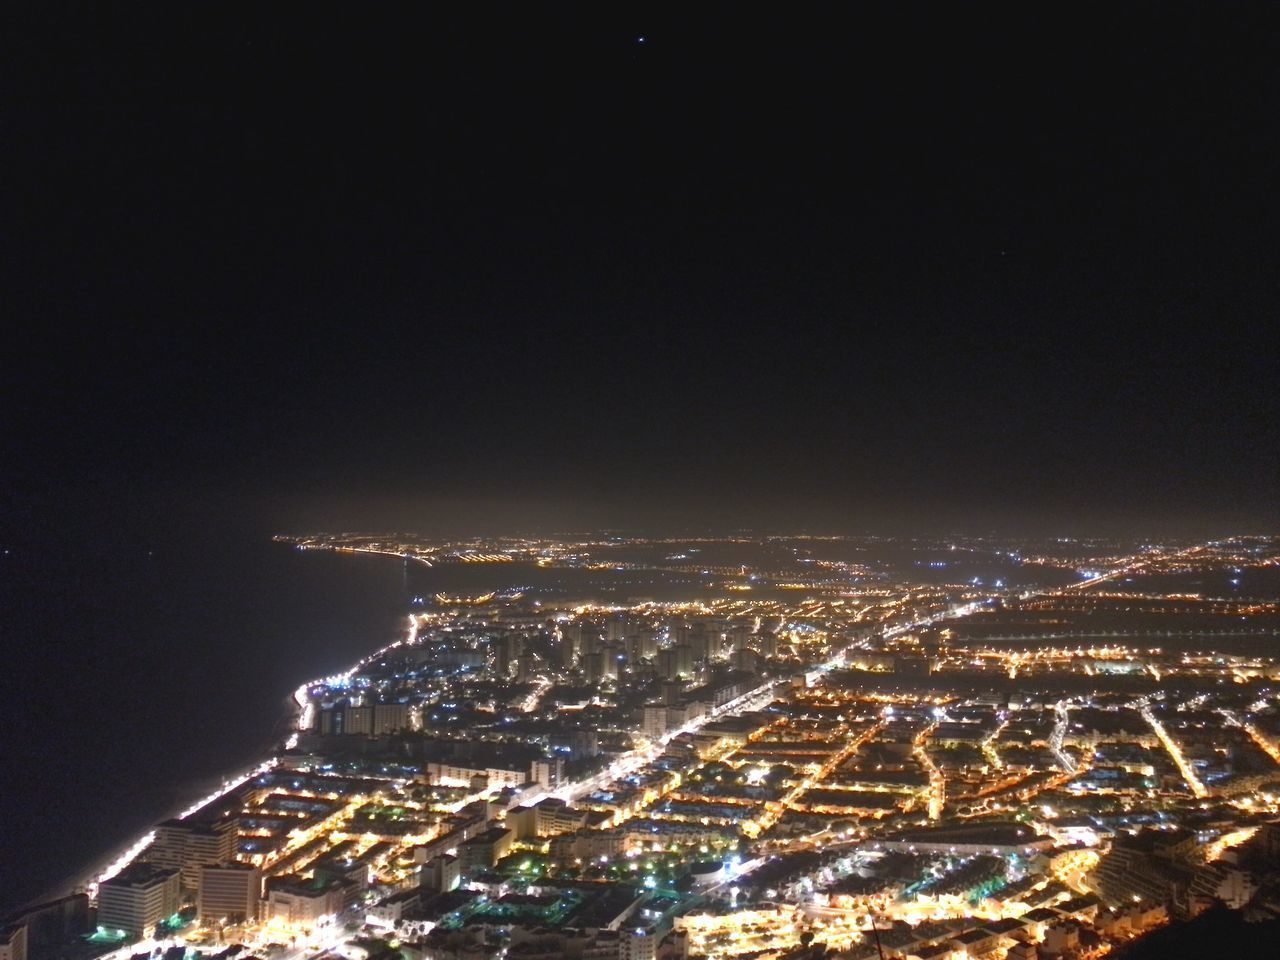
295,718
332,548
86,879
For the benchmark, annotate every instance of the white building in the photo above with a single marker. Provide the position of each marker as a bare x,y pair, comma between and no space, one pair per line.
442,873
637,944
138,898
187,845
301,902
547,772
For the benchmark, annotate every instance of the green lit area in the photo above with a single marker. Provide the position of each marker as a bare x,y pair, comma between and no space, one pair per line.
524,865
175,922
103,935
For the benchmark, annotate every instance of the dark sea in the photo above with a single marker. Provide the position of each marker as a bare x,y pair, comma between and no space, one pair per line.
137,674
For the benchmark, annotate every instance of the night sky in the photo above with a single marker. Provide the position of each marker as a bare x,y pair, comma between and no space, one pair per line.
957,266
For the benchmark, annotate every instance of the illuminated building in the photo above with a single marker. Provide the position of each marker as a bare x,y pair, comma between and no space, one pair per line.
637,944
485,849
701,646
589,844
655,721
675,662
372,720
393,909
1222,882
615,629
1062,937
300,902
547,772
601,664
642,645
441,873
230,891
137,898
1147,866
462,774
547,818
186,845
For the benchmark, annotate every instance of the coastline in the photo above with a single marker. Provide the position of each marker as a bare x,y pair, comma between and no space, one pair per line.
294,717
86,879
333,548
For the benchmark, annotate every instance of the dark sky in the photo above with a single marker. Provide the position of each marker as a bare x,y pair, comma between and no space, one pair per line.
959,265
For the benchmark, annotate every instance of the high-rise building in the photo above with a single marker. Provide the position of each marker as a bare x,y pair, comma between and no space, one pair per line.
642,644
370,720
704,640
138,898
572,632
229,891
507,650
600,665
615,628
186,845
547,771
592,639
526,667
675,662
655,720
